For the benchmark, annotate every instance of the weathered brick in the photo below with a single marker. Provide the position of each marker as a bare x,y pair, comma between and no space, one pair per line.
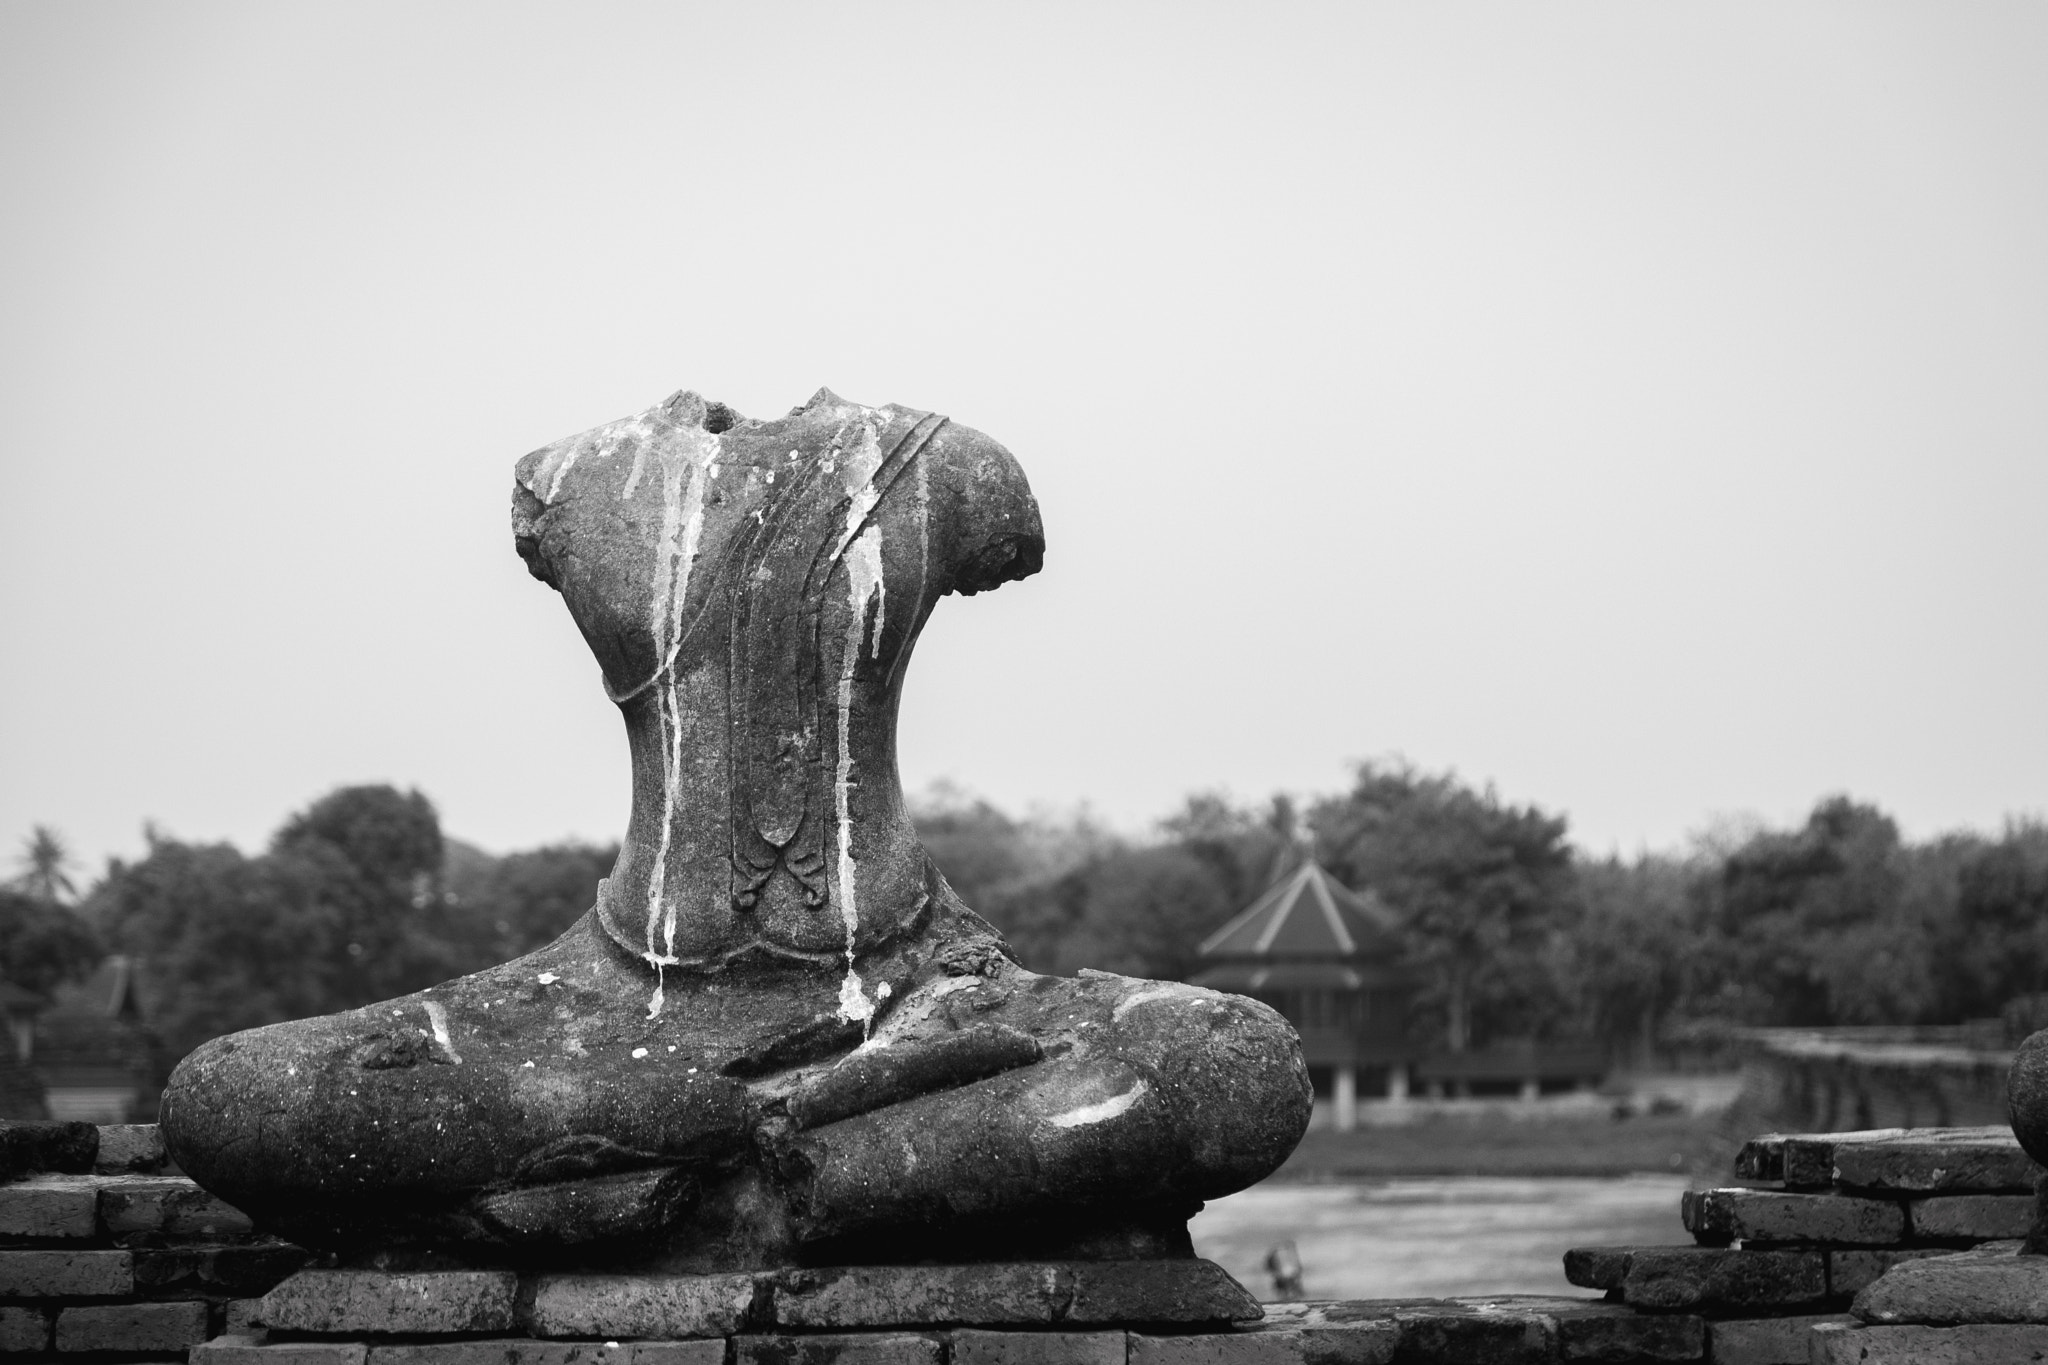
1611,1332
711,1352
1973,1217
246,1270
508,1351
228,1350
1849,1271
1073,1293
1934,1161
1110,1292
27,1147
1767,1341
1990,1284
1357,1333
1670,1278
1985,1344
48,1206
130,1148
973,1347
1505,1331
1807,1160
382,1302
1597,1267
1906,1160
66,1274
23,1328
239,1319
858,1348
1762,1158
131,1327
167,1204
658,1306
1215,1348
1720,1216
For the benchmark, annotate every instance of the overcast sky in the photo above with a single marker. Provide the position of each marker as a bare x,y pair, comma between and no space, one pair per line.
1643,408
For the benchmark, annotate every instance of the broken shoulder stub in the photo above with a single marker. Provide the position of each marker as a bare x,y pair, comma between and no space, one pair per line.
778,1038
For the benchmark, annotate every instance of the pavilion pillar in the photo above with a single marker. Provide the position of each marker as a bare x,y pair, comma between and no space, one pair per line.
1397,1083
1347,1098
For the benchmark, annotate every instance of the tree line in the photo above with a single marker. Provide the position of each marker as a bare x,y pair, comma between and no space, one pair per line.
1510,933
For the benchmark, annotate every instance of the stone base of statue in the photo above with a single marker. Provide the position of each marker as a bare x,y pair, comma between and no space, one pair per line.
1019,1294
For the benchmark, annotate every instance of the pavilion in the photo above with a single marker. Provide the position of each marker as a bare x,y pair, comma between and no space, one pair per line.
1331,961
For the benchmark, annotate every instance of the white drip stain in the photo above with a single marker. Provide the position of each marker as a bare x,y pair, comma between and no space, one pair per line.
682,527
437,1015
1146,997
633,475
562,472
1100,1112
861,546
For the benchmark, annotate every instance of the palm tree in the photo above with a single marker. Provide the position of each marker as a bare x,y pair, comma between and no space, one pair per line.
43,864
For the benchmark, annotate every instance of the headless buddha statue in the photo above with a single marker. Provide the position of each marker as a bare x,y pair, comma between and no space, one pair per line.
778,1037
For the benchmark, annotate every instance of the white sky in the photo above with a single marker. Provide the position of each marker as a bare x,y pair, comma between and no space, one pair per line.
1642,407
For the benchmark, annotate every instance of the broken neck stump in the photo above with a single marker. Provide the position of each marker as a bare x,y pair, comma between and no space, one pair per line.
778,1038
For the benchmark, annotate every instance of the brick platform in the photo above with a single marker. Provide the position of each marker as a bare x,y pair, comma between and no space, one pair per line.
103,1255
106,1256
1810,1256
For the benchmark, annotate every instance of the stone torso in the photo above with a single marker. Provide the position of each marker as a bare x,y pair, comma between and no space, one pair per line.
751,591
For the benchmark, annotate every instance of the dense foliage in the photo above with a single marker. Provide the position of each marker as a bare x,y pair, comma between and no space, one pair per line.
358,898
1839,921
1511,935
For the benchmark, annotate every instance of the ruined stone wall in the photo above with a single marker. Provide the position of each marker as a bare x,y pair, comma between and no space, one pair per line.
105,1255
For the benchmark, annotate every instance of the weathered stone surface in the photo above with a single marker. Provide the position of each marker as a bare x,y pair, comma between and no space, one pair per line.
524,1351
1974,1345
778,1037
381,1302
1597,1267
1363,1333
676,1353
871,1348
1504,1331
130,1149
970,1346
993,1295
23,1328
643,1305
249,1270
1973,1217
27,1148
49,1207
1911,1161
1492,1329
1669,1278
1608,1332
1993,1283
231,1350
1849,1271
1717,1217
65,1274
1156,1291
170,1205
1762,1158
1767,1341
131,1327
1217,1348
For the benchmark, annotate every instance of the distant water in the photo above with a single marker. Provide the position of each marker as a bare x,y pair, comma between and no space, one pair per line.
1435,1237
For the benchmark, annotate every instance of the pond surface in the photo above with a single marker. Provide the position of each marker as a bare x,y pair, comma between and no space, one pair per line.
1438,1237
